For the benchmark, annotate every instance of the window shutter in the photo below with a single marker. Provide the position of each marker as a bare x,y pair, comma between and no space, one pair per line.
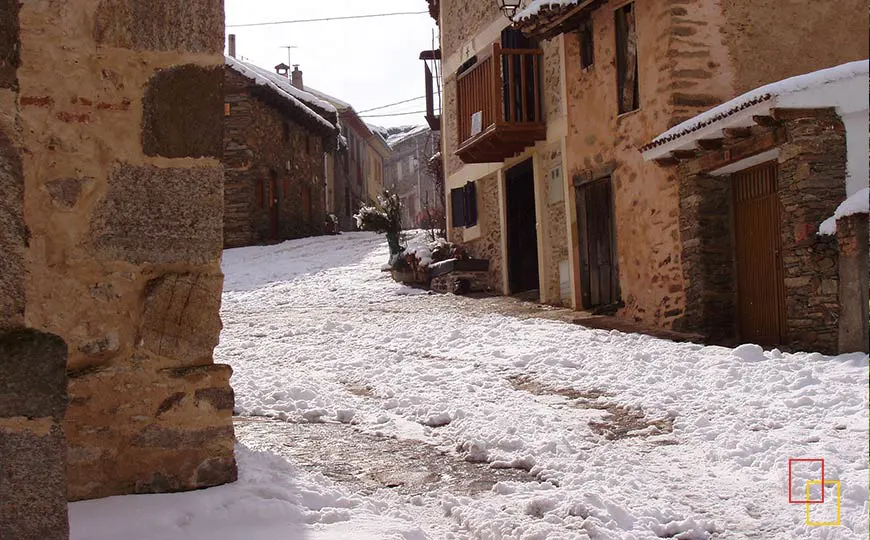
471,204
457,207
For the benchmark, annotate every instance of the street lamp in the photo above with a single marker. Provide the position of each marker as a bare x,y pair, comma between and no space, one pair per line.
509,8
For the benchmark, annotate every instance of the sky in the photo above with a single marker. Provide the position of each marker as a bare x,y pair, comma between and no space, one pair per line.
365,62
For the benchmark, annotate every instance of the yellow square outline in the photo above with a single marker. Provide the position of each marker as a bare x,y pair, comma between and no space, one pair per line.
823,523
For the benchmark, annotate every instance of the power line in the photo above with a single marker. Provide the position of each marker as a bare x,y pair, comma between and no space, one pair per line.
396,114
391,104
330,19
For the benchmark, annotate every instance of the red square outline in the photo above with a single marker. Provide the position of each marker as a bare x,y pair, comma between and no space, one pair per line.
790,460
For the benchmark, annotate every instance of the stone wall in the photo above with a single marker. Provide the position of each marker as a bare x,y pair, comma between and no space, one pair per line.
706,217
123,203
555,235
488,245
812,183
462,20
255,147
853,240
33,399
646,195
770,40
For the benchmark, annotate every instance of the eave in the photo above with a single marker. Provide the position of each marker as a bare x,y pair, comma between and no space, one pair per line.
554,19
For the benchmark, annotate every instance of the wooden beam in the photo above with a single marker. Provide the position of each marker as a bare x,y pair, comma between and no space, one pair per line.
667,161
741,150
710,144
684,154
793,114
764,120
737,133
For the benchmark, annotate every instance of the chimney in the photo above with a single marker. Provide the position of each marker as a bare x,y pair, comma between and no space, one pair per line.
232,45
296,80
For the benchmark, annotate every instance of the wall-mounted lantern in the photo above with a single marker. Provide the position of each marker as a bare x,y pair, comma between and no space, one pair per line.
509,7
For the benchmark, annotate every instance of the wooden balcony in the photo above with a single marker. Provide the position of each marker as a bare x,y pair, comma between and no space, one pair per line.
499,105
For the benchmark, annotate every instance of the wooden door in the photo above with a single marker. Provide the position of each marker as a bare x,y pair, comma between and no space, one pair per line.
599,271
274,204
758,246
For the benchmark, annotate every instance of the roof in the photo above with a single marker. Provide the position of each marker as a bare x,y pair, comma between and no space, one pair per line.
844,87
312,107
399,138
547,18
337,103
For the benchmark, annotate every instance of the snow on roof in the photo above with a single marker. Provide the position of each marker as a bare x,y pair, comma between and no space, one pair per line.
770,95
535,7
858,203
398,138
339,104
302,100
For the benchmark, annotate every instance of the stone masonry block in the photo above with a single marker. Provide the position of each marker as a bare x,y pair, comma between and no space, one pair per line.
13,233
195,26
33,502
33,400
156,215
33,378
181,318
183,112
9,55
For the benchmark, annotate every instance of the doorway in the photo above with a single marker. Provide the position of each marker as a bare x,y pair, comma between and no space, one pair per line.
758,255
522,230
599,269
274,205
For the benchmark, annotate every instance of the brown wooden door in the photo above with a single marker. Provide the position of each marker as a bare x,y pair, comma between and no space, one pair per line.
599,271
758,245
274,204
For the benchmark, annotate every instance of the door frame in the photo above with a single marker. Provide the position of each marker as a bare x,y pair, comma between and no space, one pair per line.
529,161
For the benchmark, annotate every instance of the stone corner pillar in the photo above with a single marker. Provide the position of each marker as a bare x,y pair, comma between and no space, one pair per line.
852,240
33,400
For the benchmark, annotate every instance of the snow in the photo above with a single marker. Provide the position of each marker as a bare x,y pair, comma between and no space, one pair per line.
858,203
398,138
535,7
282,86
306,320
271,501
810,81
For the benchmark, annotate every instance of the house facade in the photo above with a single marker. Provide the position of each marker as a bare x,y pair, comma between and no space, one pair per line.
607,77
112,208
277,139
408,175
357,169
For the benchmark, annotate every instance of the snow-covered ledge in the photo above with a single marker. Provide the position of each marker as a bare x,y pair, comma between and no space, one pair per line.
846,88
857,203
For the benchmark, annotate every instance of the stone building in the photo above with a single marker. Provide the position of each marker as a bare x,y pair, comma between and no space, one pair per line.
110,246
543,122
356,171
277,140
757,176
407,174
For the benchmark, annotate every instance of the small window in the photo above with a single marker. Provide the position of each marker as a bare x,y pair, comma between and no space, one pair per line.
463,205
587,45
228,109
626,59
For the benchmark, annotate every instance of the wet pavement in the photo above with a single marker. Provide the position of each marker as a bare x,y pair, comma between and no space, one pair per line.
365,463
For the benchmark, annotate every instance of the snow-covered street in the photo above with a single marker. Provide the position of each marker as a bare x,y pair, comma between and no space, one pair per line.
605,435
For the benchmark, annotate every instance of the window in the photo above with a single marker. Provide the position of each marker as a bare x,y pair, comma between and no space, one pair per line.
626,59
228,109
463,204
587,44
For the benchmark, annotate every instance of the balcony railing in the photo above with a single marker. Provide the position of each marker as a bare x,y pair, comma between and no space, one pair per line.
499,105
